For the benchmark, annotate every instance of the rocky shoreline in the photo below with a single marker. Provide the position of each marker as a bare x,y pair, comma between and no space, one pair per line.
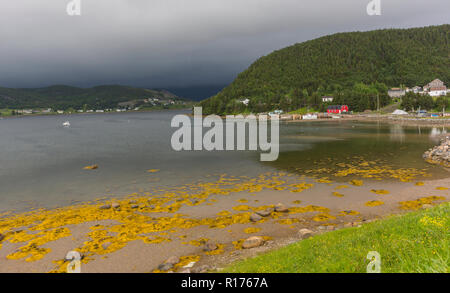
440,154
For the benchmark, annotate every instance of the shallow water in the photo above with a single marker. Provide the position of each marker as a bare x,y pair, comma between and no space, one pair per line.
41,162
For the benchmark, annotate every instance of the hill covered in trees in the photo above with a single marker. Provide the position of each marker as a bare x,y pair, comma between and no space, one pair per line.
356,68
64,97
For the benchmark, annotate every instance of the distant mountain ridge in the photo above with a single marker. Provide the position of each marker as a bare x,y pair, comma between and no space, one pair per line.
329,64
64,97
197,93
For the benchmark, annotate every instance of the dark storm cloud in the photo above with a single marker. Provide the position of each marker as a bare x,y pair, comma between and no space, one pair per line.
161,43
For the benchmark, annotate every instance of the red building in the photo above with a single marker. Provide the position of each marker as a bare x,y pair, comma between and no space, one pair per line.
337,109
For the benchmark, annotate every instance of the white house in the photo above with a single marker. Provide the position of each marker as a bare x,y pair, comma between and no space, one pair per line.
245,101
326,99
416,89
435,88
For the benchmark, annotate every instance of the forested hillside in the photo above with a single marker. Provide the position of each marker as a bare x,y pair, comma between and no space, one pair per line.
353,67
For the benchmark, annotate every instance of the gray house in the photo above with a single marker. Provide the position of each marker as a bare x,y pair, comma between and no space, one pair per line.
396,92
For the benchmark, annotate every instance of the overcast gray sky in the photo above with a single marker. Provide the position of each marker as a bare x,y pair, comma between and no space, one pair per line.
175,43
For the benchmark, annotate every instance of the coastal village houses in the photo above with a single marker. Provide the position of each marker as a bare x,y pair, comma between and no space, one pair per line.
435,88
396,92
245,101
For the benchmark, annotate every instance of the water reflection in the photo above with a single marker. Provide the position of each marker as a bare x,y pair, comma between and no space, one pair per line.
397,133
436,133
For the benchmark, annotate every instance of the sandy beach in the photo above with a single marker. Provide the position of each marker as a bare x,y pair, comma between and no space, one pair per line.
140,232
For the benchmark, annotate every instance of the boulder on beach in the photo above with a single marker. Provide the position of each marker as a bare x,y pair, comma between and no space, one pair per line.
305,233
281,208
266,212
169,263
252,242
255,218
210,247
439,154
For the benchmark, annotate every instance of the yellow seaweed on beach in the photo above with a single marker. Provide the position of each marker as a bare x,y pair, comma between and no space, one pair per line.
218,250
251,230
441,188
91,167
324,180
152,170
374,203
125,223
337,194
289,221
301,186
378,172
356,182
238,244
419,183
323,218
307,209
241,208
198,242
379,191
224,213
32,249
418,203
348,213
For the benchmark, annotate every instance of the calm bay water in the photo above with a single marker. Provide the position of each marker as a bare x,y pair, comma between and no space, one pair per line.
41,161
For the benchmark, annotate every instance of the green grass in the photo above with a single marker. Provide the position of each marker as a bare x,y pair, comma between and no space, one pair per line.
303,111
414,242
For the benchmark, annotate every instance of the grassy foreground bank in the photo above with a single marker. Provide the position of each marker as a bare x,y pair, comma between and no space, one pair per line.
414,242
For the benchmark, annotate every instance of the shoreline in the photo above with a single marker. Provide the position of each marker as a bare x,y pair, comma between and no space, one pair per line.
385,119
90,113
188,224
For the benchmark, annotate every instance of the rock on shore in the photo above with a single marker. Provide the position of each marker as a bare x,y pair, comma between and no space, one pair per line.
439,154
252,242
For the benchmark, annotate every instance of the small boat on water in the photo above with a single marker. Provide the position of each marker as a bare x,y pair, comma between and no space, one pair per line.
66,124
